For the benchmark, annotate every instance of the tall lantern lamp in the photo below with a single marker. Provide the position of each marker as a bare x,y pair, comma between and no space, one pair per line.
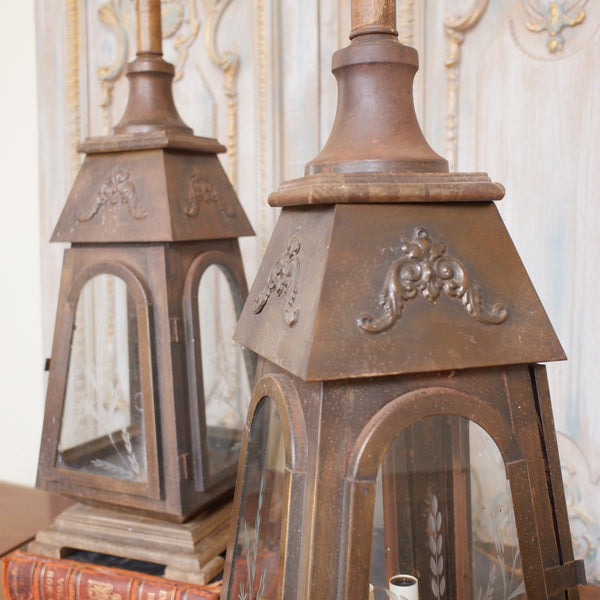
142,423
400,434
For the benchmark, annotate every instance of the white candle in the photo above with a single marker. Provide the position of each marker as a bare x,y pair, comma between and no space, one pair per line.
404,587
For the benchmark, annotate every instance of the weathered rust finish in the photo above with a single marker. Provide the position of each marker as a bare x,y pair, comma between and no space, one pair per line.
150,106
338,433
151,205
364,139
391,294
373,16
149,27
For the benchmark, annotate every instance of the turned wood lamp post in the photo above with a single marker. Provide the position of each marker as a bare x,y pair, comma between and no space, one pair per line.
401,425
137,421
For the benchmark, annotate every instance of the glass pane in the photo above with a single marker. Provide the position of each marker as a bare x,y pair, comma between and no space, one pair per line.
258,538
224,372
444,515
102,429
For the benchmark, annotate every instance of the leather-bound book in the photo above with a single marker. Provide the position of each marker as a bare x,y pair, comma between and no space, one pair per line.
31,577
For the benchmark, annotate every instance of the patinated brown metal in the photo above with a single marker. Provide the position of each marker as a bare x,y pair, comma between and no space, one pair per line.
152,206
391,293
375,16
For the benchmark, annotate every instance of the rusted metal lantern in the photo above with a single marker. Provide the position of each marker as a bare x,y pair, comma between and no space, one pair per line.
401,425
136,415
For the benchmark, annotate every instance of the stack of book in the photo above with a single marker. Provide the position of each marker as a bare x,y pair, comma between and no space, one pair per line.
30,577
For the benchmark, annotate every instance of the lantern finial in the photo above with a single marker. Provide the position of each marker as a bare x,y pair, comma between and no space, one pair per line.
373,16
149,33
150,106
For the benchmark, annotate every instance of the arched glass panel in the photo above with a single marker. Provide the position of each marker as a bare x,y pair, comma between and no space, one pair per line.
102,426
444,516
255,562
224,371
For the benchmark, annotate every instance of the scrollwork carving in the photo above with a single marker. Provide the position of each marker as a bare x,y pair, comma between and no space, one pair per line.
553,19
201,191
174,23
456,29
282,280
229,63
425,267
119,190
111,15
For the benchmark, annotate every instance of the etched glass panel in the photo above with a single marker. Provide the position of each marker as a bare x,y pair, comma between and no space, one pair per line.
224,370
258,538
102,428
444,516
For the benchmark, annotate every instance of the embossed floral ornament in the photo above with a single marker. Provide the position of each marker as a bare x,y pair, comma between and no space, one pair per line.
119,190
282,280
424,267
553,19
201,191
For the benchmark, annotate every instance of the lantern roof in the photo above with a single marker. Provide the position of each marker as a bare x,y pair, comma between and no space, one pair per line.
153,180
383,262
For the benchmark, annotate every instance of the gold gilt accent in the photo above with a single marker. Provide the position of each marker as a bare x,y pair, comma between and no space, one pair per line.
99,590
229,63
456,29
406,22
265,210
553,19
72,76
111,15
173,21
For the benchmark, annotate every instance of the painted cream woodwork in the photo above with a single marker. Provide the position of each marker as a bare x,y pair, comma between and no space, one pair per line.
506,86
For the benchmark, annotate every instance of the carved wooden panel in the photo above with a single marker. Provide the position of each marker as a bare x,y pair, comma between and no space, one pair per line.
517,78
505,86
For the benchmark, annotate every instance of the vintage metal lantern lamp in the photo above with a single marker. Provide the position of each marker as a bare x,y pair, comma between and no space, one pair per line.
401,425
139,418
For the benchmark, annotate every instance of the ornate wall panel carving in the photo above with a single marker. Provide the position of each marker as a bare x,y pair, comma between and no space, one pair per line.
456,28
523,112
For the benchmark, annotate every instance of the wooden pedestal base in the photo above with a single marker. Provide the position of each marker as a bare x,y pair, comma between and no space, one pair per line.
190,551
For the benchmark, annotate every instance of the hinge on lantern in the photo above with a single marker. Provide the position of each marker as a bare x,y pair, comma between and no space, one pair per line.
565,577
175,324
183,467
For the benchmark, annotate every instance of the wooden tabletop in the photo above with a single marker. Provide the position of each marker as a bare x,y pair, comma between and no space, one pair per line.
23,512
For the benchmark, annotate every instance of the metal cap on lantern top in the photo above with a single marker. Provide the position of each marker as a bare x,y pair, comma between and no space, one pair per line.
400,424
147,393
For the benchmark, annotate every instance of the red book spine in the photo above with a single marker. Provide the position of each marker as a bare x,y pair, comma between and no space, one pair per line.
30,577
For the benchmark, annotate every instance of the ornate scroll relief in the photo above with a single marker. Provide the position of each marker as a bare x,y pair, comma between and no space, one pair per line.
553,18
185,30
111,15
282,280
119,190
426,268
228,62
201,191
456,29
